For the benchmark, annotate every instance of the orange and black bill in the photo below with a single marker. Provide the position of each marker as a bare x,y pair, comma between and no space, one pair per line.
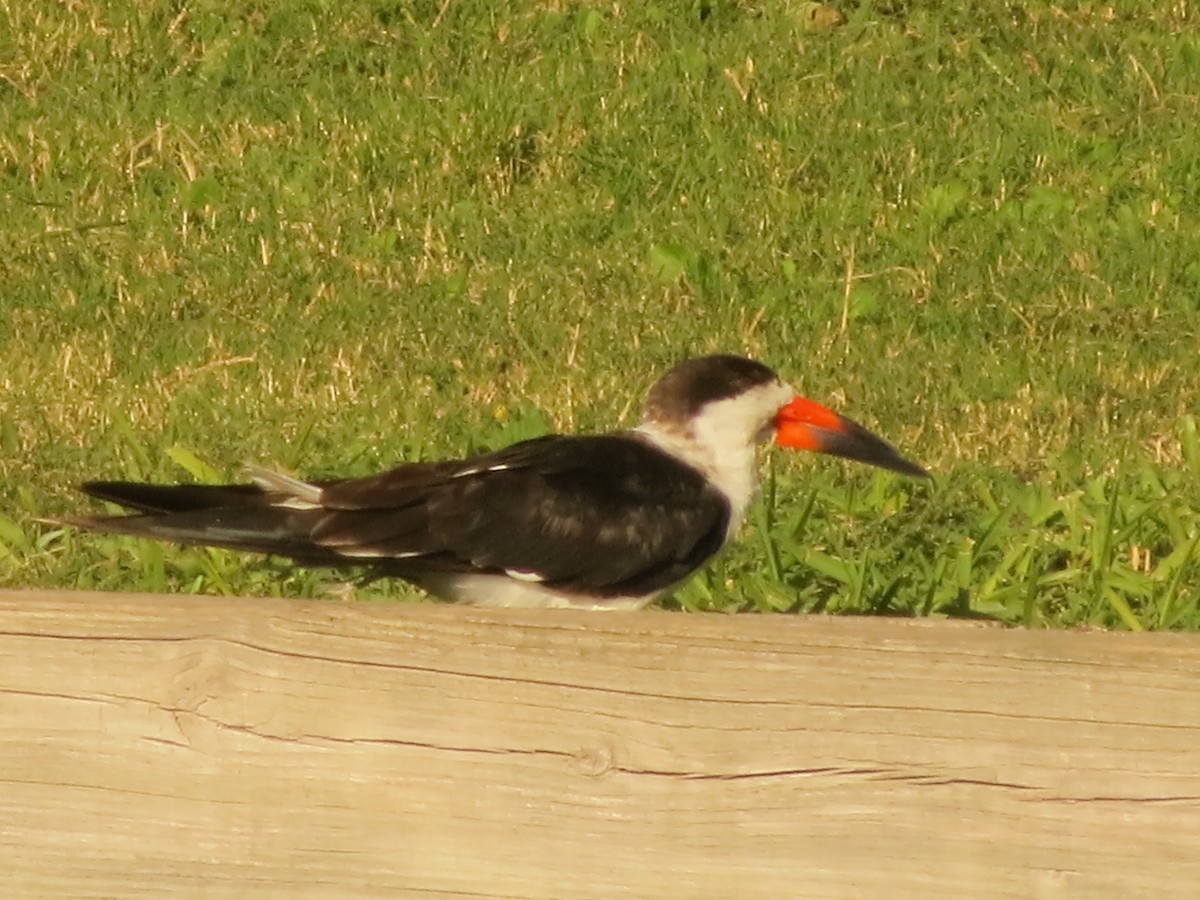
806,425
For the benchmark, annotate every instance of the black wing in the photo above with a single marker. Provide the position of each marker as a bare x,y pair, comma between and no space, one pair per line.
608,515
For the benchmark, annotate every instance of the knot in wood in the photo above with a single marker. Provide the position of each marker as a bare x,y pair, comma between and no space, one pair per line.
596,760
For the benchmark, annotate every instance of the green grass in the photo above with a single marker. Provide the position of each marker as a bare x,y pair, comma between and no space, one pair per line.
333,237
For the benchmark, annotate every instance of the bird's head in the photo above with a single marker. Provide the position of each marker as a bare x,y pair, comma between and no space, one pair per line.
730,402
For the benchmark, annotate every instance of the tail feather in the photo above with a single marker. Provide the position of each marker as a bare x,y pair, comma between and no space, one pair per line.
235,517
169,498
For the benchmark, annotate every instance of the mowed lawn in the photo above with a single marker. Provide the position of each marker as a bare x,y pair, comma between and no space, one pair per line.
334,237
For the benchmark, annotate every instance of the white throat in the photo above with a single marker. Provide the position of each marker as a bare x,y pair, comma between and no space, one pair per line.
720,442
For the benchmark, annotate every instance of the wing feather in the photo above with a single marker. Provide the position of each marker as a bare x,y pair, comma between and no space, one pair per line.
609,514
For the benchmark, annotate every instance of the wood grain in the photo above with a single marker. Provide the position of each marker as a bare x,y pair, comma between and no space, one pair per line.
271,748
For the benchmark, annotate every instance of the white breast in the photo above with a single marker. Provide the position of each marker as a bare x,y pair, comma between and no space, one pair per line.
503,591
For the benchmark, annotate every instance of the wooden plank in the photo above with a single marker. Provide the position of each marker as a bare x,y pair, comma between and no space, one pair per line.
268,748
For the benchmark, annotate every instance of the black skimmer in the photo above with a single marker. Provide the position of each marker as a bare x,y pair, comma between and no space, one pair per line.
607,521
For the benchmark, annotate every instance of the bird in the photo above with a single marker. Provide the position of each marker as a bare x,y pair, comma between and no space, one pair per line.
602,521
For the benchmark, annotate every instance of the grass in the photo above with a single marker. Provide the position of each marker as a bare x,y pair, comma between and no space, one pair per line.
332,237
